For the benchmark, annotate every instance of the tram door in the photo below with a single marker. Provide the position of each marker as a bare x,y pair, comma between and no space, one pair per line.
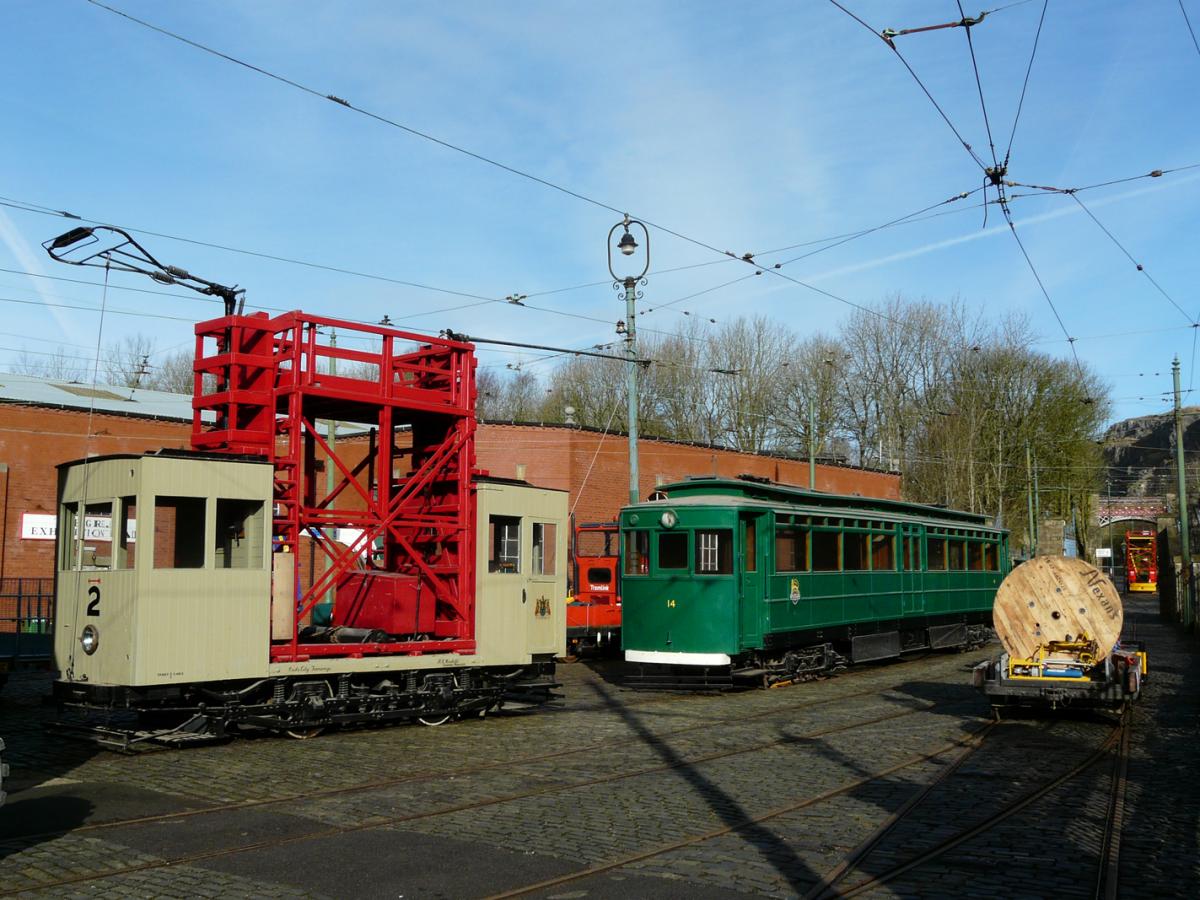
752,608
912,581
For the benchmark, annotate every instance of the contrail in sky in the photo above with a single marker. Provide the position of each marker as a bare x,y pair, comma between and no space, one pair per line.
31,262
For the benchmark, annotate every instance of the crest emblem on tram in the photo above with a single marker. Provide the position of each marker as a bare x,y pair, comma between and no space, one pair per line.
541,607
795,591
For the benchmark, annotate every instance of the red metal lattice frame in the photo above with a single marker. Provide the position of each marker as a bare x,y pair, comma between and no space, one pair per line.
266,381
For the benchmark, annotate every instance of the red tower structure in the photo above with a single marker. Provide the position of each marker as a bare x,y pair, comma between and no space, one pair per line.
409,574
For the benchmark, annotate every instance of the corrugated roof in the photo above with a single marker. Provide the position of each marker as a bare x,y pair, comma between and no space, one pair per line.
101,397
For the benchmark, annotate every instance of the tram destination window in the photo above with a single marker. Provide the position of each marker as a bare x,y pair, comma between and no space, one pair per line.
637,552
672,550
544,548
854,552
791,549
937,554
714,552
825,551
239,537
179,528
504,544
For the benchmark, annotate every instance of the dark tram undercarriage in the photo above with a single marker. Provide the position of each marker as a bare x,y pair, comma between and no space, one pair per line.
299,705
793,656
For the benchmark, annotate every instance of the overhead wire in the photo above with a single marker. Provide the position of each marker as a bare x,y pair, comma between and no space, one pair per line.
975,156
1074,196
1025,85
1188,21
979,85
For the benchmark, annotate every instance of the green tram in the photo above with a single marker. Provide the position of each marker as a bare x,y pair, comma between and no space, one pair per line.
728,579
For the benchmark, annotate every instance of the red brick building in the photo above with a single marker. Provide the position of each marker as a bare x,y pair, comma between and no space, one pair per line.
44,423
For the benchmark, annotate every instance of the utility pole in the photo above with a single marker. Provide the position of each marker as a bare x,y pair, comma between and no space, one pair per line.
1185,543
1029,500
812,445
627,245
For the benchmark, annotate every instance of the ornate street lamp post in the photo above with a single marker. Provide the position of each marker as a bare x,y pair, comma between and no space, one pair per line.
628,246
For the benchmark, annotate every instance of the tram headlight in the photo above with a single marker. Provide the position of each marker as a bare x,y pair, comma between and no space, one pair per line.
90,639
668,519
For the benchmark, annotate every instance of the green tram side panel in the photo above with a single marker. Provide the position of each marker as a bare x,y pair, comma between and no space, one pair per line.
710,613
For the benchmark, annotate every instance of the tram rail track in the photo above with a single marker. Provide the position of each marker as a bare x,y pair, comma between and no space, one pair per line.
1106,884
380,822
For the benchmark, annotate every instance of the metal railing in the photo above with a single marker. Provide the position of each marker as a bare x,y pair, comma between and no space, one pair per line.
26,617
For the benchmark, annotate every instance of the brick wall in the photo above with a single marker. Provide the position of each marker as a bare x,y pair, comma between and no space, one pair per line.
593,467
33,440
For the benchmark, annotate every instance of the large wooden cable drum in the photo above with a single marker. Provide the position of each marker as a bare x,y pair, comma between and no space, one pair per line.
1054,598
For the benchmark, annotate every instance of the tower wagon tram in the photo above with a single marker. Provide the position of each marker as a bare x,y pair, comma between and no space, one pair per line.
180,585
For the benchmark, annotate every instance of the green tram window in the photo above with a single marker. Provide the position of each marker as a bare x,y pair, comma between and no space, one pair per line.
883,552
714,552
637,552
854,552
991,559
957,556
937,554
791,549
825,551
912,553
672,550
975,556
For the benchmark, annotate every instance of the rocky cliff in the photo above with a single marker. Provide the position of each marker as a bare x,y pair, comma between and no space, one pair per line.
1140,453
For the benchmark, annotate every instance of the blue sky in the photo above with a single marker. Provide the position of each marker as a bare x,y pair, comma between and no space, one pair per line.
745,126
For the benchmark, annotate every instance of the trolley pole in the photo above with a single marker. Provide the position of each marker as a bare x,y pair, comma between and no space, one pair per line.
1185,543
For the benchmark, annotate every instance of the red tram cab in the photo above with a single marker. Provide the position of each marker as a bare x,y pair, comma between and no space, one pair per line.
594,612
1141,560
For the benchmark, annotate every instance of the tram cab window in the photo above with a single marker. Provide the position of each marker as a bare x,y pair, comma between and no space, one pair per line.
791,549
97,552
883,552
68,538
179,528
504,544
854,552
957,556
672,550
637,552
937,554
975,556
127,535
714,551
239,536
544,548
825,551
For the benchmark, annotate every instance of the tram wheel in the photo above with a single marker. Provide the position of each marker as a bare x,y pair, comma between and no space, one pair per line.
304,734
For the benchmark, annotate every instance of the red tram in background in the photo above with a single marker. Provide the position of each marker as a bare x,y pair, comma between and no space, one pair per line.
594,612
1141,560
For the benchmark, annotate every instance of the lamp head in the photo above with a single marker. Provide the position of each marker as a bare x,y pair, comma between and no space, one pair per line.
627,244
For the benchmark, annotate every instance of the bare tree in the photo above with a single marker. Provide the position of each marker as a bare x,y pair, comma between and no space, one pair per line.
172,373
58,365
125,362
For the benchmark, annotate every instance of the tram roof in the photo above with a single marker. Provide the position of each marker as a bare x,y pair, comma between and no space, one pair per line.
698,490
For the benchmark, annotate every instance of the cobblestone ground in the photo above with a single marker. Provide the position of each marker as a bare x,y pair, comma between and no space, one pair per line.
749,794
